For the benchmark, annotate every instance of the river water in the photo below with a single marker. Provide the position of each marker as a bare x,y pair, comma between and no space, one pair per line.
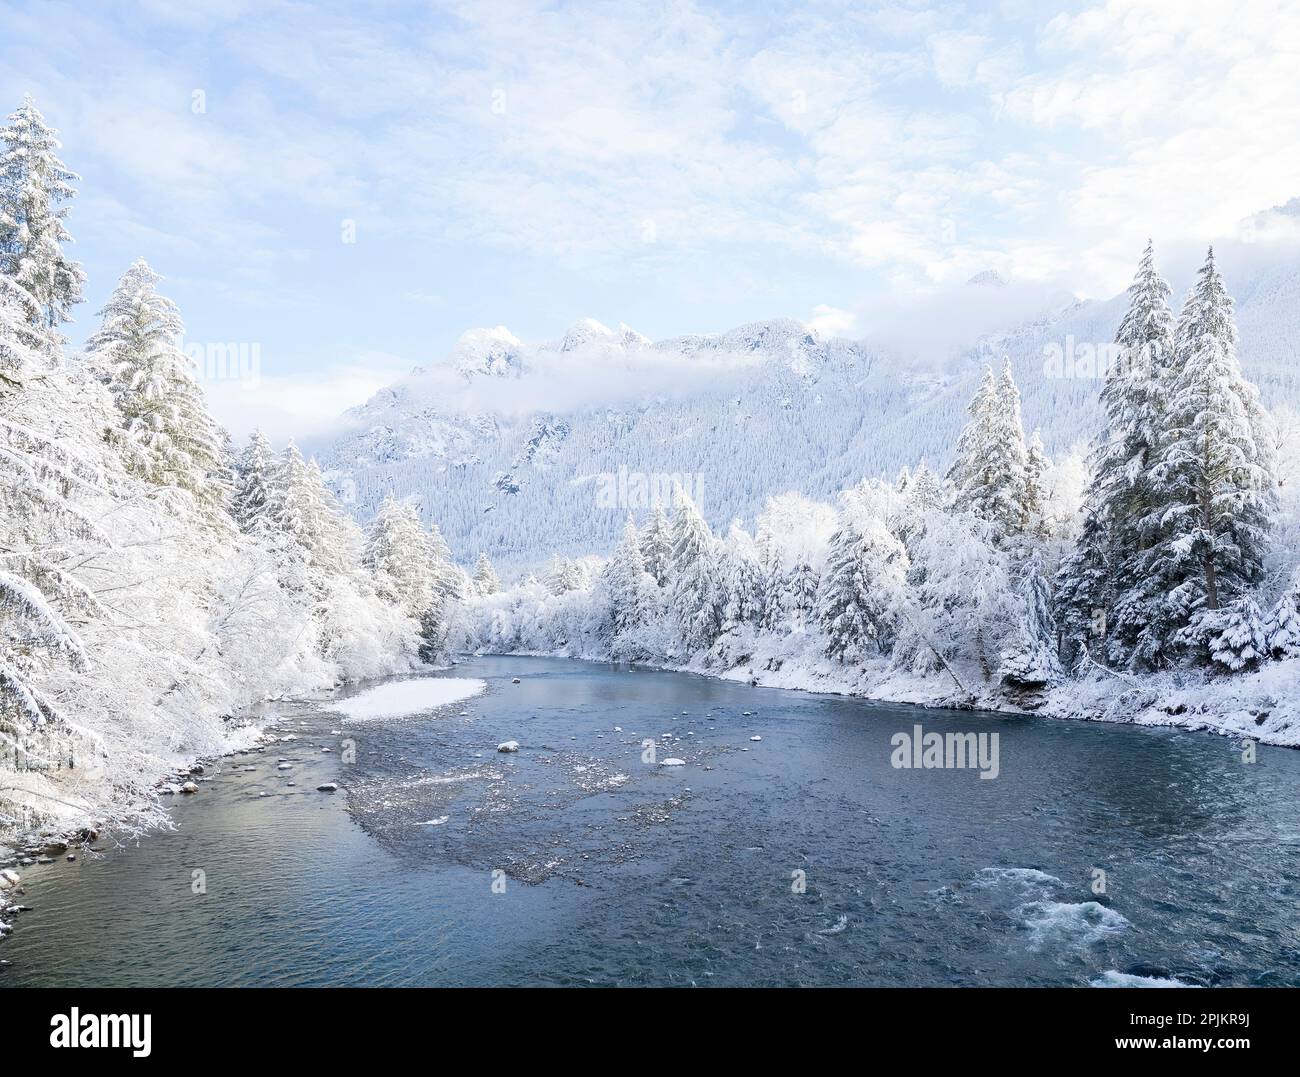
801,858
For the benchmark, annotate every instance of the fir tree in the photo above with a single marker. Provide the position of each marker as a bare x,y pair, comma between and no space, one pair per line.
173,440
656,546
697,592
252,497
33,185
398,554
485,577
989,471
1216,479
865,570
1282,628
1104,580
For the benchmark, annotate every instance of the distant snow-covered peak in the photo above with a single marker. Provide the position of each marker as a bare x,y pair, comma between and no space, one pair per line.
495,351
630,338
587,333
988,278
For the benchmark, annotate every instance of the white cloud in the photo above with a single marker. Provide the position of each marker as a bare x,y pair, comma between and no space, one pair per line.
298,405
833,322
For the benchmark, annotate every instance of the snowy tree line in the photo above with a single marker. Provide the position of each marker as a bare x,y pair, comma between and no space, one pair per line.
1170,549
151,582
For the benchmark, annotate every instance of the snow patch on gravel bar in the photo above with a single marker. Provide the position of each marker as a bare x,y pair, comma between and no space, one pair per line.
415,696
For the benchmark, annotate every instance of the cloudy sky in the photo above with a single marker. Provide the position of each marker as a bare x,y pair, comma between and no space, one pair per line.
349,186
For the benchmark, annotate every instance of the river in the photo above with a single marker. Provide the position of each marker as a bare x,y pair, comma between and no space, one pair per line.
803,857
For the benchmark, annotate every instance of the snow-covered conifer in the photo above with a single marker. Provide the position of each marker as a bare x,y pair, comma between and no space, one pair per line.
253,473
656,546
33,185
485,576
173,440
1216,482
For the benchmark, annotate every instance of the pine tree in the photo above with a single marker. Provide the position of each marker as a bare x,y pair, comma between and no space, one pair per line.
1036,467
743,581
1215,474
865,571
1236,636
925,490
485,577
1103,580
252,497
697,591
33,184
301,508
564,575
1029,658
625,586
449,581
173,440
989,470
802,587
397,553
1282,628
656,546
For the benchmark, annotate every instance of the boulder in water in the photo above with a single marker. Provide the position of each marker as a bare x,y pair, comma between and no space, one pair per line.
508,746
327,787
189,787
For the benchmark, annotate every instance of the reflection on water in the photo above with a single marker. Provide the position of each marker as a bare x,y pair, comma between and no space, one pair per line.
803,858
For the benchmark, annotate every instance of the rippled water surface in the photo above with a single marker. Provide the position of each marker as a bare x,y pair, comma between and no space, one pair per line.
619,872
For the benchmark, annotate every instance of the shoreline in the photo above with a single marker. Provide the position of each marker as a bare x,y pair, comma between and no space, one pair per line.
1263,706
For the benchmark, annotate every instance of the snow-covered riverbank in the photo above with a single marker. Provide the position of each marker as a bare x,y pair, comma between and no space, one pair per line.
1263,706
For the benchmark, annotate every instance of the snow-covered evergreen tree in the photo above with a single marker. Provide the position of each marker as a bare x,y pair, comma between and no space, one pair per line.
1282,628
625,597
564,575
1029,657
1235,636
1103,593
33,185
743,580
865,569
174,441
698,593
398,554
252,498
1216,483
1036,467
485,576
989,473
656,546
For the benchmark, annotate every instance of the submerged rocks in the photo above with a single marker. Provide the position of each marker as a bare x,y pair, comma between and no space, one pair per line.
508,746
